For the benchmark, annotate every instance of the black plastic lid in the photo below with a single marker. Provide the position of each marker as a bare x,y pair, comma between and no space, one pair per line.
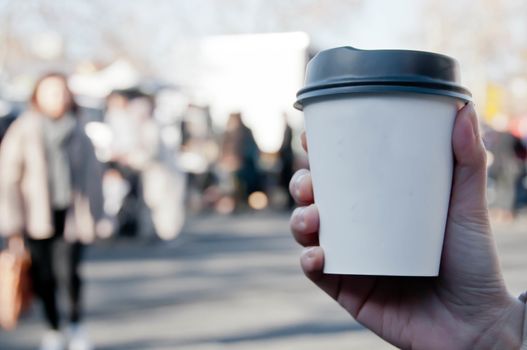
345,70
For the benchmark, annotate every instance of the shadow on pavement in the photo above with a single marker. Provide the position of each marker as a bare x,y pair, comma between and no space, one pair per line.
289,331
198,243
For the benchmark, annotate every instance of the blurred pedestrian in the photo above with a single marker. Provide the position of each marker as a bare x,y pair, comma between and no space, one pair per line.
156,187
287,159
506,170
199,154
239,157
124,127
50,191
124,137
162,184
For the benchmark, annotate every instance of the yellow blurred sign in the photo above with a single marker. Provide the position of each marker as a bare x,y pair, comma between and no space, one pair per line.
493,102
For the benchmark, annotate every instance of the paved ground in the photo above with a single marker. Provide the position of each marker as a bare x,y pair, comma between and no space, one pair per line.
226,283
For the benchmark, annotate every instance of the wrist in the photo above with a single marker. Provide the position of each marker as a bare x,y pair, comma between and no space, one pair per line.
506,332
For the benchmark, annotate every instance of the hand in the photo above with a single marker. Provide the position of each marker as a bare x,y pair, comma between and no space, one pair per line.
467,306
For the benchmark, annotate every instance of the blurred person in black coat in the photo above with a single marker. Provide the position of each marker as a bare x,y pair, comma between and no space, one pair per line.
506,168
287,158
240,156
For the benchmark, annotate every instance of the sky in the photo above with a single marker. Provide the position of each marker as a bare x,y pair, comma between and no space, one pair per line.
488,37
382,24
152,30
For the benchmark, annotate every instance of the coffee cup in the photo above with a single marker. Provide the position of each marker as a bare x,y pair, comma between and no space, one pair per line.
379,133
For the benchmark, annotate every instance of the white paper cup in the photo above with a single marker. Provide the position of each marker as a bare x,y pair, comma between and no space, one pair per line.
379,132
381,166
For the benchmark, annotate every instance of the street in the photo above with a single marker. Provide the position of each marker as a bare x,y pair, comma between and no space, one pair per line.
225,283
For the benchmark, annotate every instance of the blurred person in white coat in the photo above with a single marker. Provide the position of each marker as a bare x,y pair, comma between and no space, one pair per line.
161,184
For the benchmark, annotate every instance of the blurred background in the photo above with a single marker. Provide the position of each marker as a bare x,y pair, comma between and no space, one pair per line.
188,105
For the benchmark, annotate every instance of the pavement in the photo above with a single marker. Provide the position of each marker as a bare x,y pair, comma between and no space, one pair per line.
228,282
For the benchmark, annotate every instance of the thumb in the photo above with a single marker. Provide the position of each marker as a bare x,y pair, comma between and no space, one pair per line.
468,199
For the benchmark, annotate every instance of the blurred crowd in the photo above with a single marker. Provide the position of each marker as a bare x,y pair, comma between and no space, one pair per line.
128,166
158,163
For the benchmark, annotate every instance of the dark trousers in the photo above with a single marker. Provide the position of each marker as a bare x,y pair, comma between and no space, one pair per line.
55,262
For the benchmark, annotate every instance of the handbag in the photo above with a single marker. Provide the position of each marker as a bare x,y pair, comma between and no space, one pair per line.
15,282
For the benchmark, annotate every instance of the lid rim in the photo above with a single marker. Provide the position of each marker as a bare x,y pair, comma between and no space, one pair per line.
437,84
303,96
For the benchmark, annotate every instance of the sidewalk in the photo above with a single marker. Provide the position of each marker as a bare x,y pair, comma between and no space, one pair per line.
226,283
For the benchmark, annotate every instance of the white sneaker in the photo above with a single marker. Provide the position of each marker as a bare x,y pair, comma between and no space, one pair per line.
52,340
78,338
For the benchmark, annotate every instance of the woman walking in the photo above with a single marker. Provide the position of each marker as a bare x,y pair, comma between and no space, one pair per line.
50,191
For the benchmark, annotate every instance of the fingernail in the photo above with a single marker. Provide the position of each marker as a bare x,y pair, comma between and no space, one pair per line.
309,252
298,181
300,218
312,213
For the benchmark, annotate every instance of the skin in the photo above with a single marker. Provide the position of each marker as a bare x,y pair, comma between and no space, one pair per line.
467,306
52,97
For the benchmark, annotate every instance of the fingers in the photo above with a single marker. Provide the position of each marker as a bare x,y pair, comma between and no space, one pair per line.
304,140
470,172
312,262
466,140
301,187
351,291
304,225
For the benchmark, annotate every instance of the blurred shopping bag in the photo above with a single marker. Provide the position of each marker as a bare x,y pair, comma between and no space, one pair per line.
15,282
164,194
